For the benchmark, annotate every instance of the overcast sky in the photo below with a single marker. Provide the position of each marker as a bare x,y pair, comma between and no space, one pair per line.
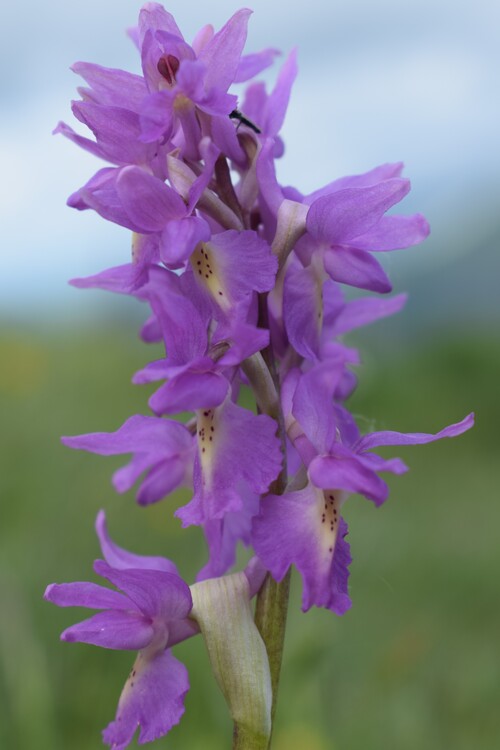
379,80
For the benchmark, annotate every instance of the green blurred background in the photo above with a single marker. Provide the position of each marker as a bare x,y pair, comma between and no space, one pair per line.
414,664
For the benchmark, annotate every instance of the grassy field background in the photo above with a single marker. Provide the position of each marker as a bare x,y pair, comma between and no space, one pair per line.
416,662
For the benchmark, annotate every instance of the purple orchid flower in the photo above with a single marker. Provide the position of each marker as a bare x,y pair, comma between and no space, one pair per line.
200,363
139,201
163,448
307,520
150,614
183,82
315,312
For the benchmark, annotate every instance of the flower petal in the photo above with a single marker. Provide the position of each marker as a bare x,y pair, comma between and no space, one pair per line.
157,594
111,86
222,53
251,65
147,200
83,594
375,439
358,268
190,391
121,559
349,474
234,446
152,699
301,528
373,177
126,279
127,631
162,437
393,233
348,213
363,311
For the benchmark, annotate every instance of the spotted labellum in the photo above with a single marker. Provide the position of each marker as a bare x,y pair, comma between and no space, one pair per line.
244,284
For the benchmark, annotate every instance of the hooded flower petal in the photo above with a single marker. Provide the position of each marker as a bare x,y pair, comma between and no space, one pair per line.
157,594
349,213
147,200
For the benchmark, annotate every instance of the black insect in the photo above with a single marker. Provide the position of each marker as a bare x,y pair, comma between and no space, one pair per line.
236,115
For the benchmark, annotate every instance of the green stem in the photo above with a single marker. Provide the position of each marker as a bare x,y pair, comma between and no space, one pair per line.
270,617
272,600
243,739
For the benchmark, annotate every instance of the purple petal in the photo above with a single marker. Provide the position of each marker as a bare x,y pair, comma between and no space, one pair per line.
116,131
373,177
210,153
157,117
159,595
183,323
125,279
222,53
348,213
232,266
112,629
223,535
119,558
377,463
164,479
349,474
225,138
151,331
375,439
190,391
89,595
267,180
394,232
154,17
313,404
366,310
234,446
152,699
100,194
125,477
85,143
138,434
280,96
303,309
304,528
180,237
357,268
147,200
251,65
112,87
244,340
